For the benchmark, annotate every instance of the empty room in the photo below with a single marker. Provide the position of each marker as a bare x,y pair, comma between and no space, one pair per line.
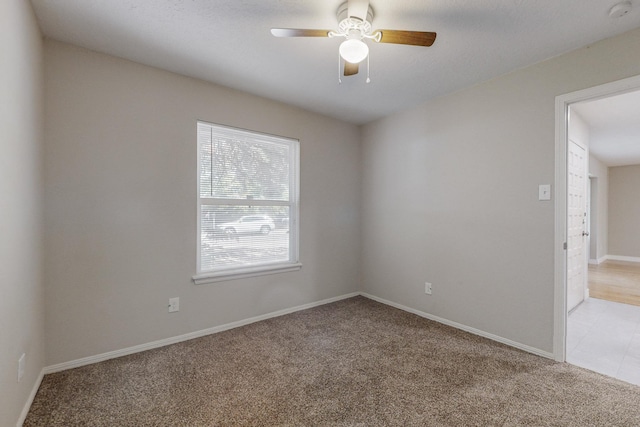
271,212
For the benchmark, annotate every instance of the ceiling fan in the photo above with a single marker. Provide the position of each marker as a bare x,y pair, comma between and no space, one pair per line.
354,24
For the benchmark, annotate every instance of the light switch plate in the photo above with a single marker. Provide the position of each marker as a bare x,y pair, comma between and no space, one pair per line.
544,192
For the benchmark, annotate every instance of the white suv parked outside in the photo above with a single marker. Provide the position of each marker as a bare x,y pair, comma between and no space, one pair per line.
249,224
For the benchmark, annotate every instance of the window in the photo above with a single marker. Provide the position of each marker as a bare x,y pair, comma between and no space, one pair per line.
247,203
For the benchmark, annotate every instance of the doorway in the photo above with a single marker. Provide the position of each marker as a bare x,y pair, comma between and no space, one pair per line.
598,334
562,221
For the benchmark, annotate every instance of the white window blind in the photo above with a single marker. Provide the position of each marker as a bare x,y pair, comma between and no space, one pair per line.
247,204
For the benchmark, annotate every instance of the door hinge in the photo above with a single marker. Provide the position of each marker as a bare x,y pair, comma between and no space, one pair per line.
564,246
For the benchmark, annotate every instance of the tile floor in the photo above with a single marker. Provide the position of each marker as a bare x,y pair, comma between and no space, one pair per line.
604,336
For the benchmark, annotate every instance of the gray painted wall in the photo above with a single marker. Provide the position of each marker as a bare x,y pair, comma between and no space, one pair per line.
624,211
450,196
120,191
21,304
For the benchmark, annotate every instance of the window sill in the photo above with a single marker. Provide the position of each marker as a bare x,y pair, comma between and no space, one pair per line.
242,273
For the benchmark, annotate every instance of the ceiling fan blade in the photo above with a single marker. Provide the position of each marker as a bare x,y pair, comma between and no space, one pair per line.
350,69
415,38
358,9
297,32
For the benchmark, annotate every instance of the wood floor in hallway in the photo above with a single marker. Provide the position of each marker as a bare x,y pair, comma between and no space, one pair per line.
617,281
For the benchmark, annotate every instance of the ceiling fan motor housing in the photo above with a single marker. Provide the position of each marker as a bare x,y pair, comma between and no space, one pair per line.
350,24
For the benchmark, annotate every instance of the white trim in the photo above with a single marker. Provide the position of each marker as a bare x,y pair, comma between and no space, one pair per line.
622,258
462,327
560,239
191,335
243,273
32,395
197,334
560,285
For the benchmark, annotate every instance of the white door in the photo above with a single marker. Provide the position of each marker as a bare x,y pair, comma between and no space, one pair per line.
576,224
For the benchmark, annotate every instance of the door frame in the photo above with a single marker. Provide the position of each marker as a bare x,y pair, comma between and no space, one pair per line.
561,145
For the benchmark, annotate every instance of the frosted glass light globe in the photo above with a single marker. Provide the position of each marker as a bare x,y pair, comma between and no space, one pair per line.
353,50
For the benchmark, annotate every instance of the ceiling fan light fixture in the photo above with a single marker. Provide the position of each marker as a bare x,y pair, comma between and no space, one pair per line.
353,50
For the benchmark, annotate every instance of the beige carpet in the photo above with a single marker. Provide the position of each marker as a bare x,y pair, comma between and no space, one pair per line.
351,363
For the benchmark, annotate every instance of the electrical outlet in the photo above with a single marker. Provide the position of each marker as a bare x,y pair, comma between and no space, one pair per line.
427,288
21,362
174,304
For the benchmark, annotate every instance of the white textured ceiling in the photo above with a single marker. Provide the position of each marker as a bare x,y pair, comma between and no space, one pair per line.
229,43
614,125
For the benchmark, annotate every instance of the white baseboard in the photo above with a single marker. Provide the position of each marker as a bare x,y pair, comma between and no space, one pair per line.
623,258
173,340
465,328
32,395
191,335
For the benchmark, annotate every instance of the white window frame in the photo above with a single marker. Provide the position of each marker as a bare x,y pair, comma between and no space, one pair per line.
293,264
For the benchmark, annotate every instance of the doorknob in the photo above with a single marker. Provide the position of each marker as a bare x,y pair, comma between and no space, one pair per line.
584,233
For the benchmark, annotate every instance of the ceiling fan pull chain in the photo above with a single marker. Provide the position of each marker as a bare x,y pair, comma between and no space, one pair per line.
368,67
339,67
